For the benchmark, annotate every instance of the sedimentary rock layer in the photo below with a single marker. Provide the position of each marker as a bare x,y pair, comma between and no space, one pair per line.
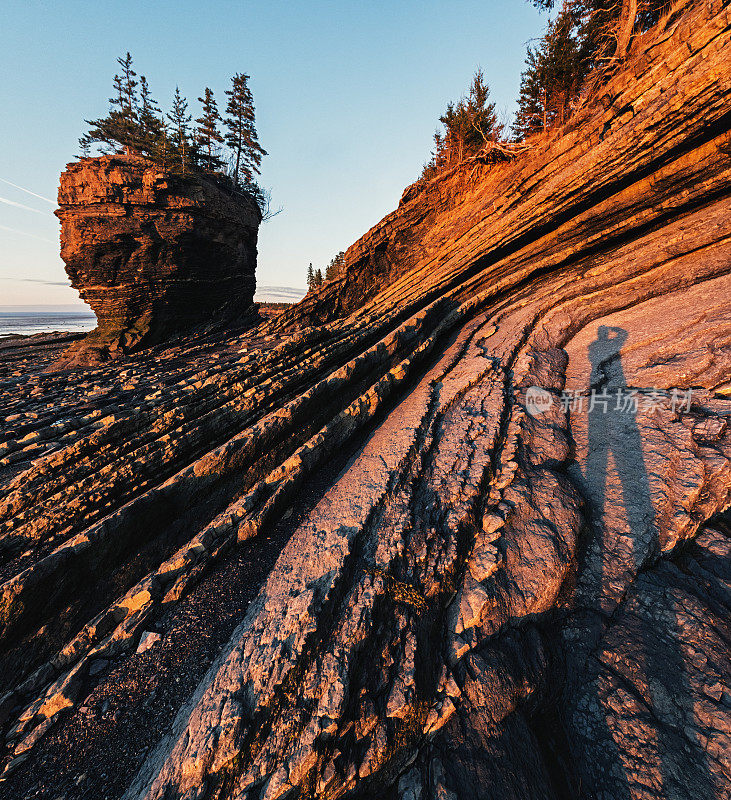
154,254
500,487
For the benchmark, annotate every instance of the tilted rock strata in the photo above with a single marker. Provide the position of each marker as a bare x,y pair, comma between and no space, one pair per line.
485,596
154,254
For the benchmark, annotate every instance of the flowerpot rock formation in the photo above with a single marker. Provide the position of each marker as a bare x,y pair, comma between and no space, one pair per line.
154,254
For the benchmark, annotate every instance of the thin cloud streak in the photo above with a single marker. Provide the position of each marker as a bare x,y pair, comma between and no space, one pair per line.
20,205
290,290
38,280
28,191
29,235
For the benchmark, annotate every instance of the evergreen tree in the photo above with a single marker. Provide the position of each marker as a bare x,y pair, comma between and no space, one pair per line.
241,134
318,277
208,136
151,132
310,277
119,130
530,116
163,153
550,80
180,144
472,122
469,125
335,267
134,124
128,95
601,31
126,104
605,27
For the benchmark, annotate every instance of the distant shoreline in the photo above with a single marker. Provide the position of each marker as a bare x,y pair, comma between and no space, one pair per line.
23,321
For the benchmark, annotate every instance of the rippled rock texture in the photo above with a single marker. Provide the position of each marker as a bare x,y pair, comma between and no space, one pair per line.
406,554
154,254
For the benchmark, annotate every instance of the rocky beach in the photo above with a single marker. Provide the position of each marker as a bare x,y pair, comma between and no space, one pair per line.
454,526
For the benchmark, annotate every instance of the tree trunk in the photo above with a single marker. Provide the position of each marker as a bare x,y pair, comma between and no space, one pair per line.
626,27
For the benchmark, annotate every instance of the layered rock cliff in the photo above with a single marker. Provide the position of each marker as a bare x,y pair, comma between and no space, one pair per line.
154,254
469,539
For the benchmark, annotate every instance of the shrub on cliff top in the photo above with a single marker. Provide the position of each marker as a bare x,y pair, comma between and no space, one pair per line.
580,46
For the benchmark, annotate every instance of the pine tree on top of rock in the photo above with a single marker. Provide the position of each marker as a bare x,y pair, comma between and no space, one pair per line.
605,27
129,84
208,136
151,128
121,125
335,267
531,114
472,122
585,40
136,126
180,119
241,135
550,80
470,125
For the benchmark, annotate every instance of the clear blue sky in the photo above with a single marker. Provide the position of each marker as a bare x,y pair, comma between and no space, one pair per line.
347,97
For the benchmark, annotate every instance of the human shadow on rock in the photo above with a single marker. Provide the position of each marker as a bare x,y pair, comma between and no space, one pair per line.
632,643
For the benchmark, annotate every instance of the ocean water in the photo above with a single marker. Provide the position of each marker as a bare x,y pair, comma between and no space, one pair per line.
27,321
278,294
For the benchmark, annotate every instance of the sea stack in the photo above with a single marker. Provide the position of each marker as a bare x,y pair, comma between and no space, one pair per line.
154,254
